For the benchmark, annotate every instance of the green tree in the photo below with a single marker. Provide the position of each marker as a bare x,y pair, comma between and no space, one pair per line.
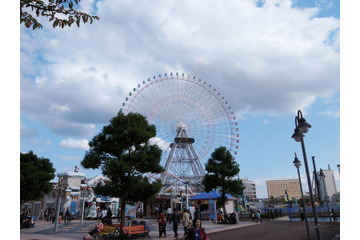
221,170
60,12
35,176
123,152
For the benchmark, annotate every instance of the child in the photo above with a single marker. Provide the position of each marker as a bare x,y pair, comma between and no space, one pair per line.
99,226
258,217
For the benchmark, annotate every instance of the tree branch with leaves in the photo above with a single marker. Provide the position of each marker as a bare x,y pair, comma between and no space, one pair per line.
60,12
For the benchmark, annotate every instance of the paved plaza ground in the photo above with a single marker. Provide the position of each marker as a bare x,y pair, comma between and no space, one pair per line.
245,229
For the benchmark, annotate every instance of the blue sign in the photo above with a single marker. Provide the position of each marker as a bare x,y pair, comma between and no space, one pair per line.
212,210
73,207
130,211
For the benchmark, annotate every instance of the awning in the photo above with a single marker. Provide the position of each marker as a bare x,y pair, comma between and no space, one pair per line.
213,195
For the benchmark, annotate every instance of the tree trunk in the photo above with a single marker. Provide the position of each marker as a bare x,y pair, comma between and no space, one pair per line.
224,202
123,205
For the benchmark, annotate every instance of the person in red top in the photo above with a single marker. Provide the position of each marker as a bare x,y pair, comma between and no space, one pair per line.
99,226
197,232
162,224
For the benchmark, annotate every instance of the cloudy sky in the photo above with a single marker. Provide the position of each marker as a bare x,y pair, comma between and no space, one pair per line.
269,58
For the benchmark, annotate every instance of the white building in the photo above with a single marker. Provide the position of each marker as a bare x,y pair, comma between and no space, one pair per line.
327,185
250,189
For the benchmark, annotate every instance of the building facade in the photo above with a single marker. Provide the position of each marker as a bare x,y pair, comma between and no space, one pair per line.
327,185
276,188
250,189
69,195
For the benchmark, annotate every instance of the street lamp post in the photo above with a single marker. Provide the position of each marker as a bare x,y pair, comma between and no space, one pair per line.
83,204
186,192
317,185
297,164
322,175
301,127
58,201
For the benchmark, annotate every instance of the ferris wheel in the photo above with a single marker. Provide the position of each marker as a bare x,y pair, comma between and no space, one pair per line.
192,119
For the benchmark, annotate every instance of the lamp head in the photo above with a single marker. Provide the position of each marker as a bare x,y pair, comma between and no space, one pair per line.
297,162
296,135
302,124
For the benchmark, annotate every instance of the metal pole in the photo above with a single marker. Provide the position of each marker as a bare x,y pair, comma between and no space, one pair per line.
327,203
316,181
302,195
83,207
326,196
316,223
187,197
58,200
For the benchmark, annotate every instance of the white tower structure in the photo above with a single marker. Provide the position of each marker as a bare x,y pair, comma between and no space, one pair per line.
182,165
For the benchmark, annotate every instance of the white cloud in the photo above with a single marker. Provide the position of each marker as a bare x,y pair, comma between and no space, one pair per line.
75,144
27,132
264,60
335,114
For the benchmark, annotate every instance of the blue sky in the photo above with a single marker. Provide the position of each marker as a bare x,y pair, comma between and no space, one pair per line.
268,58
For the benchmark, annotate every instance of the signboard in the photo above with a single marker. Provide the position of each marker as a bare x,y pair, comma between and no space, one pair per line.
73,207
130,211
212,211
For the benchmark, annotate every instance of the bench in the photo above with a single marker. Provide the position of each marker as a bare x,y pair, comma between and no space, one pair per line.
138,230
107,231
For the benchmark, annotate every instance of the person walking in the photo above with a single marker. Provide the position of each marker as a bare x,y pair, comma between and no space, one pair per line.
197,215
22,217
61,217
162,224
119,214
67,219
103,213
48,216
253,214
168,214
186,221
258,216
40,215
302,215
53,215
175,219
333,214
197,232
109,215
156,211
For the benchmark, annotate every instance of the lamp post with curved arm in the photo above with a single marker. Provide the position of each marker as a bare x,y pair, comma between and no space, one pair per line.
301,127
297,164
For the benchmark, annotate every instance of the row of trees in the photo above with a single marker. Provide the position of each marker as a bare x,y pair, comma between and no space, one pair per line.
123,152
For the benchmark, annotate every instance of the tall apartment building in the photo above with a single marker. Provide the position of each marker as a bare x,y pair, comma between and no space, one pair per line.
276,188
250,189
327,185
